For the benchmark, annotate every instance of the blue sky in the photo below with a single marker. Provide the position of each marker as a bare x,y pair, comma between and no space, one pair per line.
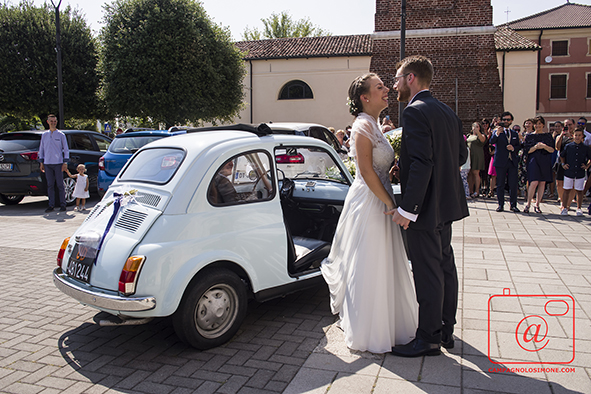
340,17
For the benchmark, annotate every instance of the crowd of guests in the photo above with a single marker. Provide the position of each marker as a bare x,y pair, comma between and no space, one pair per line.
532,161
344,135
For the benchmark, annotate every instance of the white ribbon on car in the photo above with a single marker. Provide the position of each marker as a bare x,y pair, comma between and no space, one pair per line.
119,201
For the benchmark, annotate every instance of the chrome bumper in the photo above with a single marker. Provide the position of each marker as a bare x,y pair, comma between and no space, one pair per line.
100,299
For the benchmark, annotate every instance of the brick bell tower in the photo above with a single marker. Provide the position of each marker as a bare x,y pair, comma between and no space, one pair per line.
458,37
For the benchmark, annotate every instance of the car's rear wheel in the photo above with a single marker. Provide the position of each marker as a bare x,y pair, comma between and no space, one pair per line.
212,309
8,199
69,185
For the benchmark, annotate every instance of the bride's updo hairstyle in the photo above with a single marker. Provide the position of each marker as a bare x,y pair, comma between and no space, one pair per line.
358,87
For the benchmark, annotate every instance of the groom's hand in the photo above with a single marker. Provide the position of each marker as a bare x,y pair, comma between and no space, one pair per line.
399,219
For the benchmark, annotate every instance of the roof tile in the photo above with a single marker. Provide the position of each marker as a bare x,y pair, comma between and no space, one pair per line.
305,47
569,15
509,40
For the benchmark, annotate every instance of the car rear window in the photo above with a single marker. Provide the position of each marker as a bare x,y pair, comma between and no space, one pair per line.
132,144
11,142
153,165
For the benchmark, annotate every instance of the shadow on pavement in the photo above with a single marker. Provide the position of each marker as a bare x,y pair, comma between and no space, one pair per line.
275,340
333,367
35,206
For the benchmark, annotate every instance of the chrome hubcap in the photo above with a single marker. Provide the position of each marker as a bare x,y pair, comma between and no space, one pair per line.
216,310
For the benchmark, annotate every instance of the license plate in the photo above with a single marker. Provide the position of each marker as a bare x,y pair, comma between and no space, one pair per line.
5,166
80,266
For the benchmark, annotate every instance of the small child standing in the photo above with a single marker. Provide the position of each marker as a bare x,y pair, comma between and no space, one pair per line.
576,159
81,188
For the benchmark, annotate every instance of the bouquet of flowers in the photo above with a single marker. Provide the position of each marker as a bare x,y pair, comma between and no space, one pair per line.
350,164
395,140
334,173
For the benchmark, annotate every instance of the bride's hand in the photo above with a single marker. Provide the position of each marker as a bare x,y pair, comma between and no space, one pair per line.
390,209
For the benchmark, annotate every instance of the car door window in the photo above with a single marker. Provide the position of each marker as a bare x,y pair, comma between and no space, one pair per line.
102,142
324,135
245,178
308,163
81,142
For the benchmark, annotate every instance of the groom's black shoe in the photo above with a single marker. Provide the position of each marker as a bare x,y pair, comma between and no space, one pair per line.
416,348
447,342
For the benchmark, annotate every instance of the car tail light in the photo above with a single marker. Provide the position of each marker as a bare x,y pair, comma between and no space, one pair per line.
32,156
101,163
289,159
60,254
129,274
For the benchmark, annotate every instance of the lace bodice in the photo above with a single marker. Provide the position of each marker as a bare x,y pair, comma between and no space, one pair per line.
383,154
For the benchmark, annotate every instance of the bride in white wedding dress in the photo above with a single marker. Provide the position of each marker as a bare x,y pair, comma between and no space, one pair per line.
367,270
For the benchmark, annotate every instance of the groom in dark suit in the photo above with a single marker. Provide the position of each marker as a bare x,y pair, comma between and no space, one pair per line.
432,151
507,145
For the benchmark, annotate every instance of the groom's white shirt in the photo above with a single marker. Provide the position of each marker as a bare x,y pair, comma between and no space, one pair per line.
411,216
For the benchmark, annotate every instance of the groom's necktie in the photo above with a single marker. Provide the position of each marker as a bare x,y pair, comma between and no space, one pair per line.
508,134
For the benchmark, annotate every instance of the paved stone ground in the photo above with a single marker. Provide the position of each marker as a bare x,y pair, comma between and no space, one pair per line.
50,343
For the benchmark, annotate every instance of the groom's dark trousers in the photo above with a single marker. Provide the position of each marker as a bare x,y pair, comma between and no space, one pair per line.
432,151
436,281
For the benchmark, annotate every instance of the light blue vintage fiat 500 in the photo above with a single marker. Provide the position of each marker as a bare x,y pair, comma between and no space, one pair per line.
196,224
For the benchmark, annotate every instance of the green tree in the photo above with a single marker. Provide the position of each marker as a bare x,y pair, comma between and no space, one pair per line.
164,59
28,65
281,26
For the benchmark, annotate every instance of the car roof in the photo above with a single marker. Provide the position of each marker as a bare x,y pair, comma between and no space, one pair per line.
265,128
293,126
144,133
206,139
39,132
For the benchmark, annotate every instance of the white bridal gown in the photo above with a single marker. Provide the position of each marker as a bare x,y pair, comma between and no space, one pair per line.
367,270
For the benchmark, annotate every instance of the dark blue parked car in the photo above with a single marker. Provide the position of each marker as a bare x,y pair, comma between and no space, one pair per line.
121,150
19,169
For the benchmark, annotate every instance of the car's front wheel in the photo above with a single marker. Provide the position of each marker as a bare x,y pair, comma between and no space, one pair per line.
212,309
7,199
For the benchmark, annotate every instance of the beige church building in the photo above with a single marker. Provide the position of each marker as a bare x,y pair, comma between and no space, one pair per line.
302,79
539,65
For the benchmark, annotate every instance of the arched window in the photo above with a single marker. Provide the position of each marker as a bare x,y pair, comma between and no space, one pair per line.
295,90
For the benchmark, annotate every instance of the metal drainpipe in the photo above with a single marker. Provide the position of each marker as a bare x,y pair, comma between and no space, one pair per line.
539,66
402,50
250,62
503,80
457,102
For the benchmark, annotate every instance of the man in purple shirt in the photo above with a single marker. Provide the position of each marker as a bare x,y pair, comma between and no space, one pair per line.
54,156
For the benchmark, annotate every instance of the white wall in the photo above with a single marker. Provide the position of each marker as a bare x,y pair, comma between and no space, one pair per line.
519,95
329,79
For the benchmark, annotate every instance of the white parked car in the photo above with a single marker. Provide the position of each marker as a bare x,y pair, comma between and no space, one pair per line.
197,224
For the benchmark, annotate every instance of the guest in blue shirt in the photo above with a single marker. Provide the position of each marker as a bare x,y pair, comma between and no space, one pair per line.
576,159
54,156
